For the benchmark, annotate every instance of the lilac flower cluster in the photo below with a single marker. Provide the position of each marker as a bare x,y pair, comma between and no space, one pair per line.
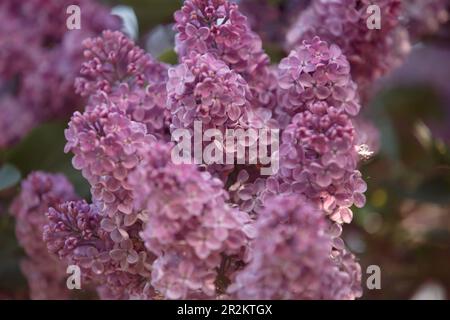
203,88
73,232
40,58
316,71
45,274
118,71
318,151
157,230
218,28
293,257
371,53
190,227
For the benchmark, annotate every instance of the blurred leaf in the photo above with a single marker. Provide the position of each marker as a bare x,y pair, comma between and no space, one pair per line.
169,56
9,176
435,189
274,51
150,13
43,149
10,253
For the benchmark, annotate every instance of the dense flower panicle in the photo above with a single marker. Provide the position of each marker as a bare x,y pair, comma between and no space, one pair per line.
126,90
424,17
114,59
318,153
129,77
293,257
40,57
315,71
203,88
40,191
106,146
73,233
190,227
372,53
319,159
217,27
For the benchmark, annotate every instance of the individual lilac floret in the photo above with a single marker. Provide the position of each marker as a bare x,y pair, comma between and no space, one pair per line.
75,233
292,257
46,275
371,52
129,77
190,227
217,27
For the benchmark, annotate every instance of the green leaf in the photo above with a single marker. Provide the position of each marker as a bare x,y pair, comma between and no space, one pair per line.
274,51
11,277
169,56
9,176
434,189
150,13
43,149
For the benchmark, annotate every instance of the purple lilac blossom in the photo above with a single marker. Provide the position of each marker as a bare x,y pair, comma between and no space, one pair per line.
109,141
157,230
40,58
129,77
371,53
45,274
107,144
203,88
318,154
190,226
293,257
219,28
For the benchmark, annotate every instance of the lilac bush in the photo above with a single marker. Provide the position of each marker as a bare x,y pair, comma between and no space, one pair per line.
153,229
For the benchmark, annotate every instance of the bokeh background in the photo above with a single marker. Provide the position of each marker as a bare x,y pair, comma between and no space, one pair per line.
405,226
